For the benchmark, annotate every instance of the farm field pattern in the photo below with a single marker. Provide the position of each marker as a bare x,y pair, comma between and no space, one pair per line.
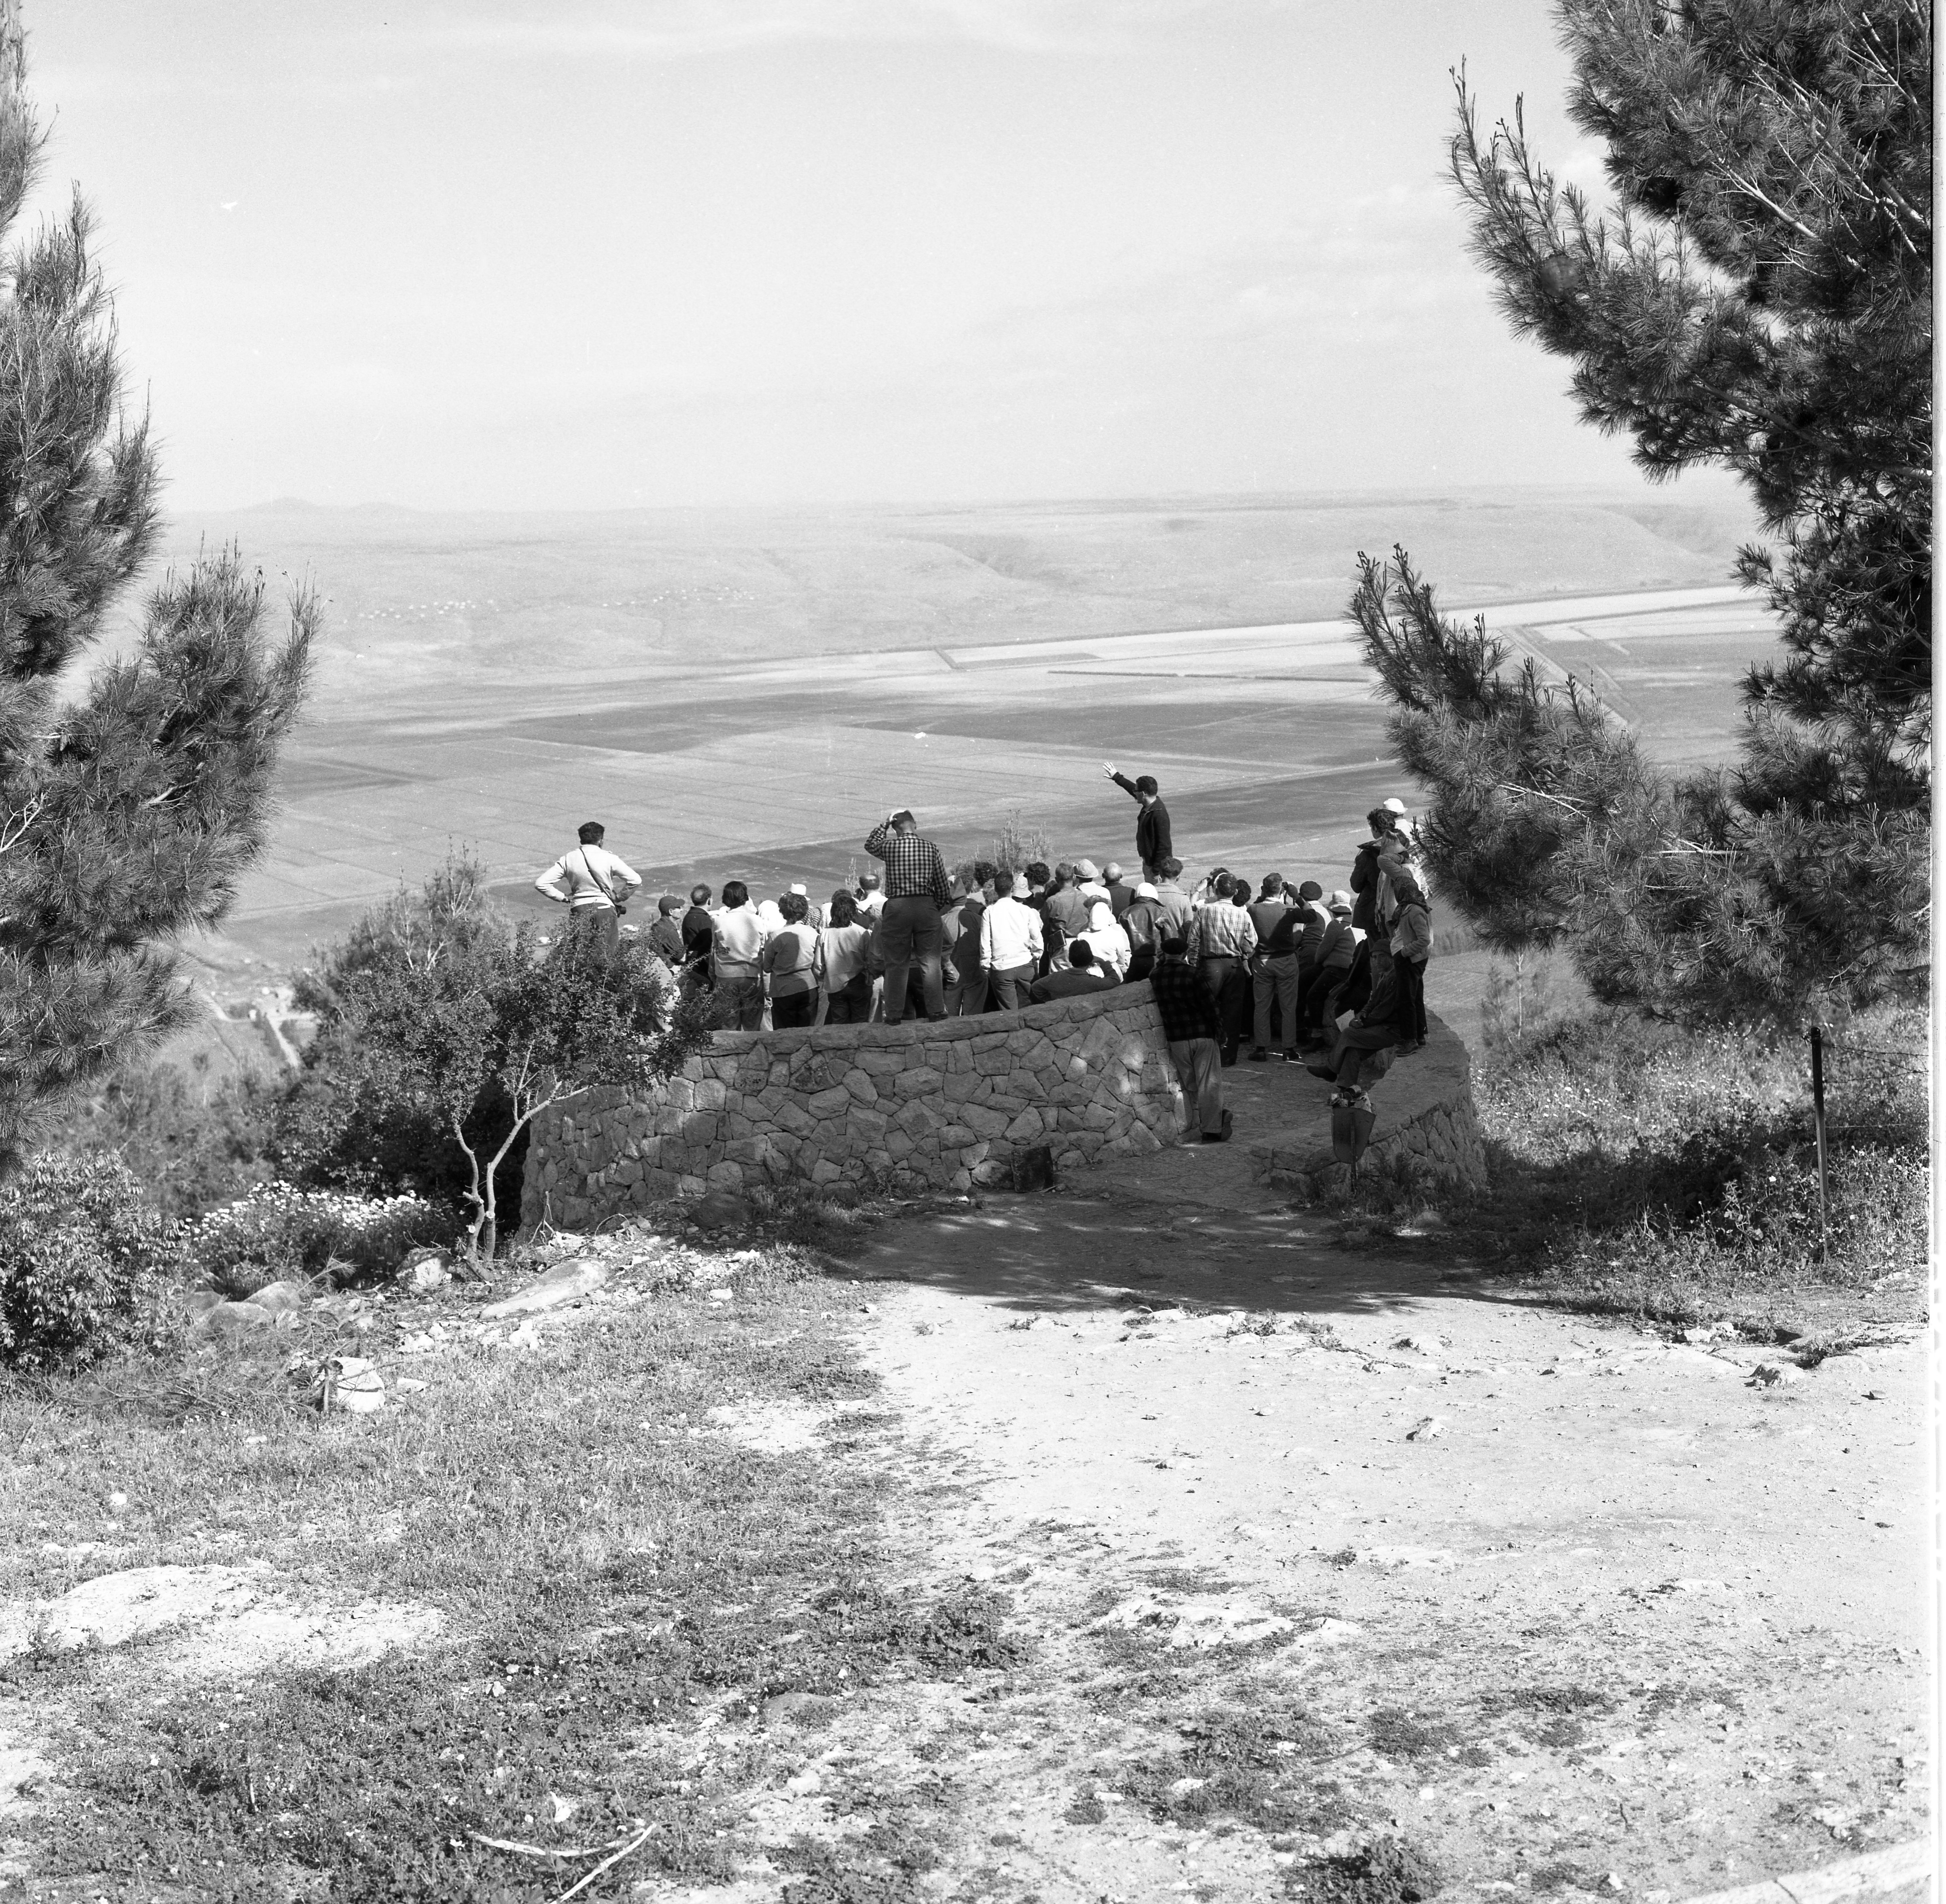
743,694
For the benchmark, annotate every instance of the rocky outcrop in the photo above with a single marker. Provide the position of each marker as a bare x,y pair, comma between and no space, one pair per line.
944,1106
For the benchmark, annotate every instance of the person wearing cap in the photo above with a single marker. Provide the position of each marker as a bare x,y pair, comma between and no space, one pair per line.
666,935
1152,844
1066,913
1010,946
1087,881
1189,1024
594,885
1121,891
870,898
1143,923
1336,948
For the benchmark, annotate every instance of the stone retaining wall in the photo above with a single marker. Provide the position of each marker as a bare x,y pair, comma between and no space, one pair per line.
943,1105
1426,1129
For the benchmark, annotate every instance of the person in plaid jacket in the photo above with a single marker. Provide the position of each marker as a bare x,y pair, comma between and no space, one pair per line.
916,893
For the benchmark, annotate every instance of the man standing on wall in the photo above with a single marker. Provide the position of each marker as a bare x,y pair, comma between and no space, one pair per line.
1152,838
916,893
594,885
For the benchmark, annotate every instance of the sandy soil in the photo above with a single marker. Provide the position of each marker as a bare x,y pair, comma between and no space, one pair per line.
1573,1609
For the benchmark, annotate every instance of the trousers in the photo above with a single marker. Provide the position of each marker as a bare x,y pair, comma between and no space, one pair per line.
1226,981
1199,1070
1275,981
910,934
1409,976
602,923
1010,987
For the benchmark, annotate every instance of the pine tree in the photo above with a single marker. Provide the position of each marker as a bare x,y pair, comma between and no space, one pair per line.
1759,299
127,811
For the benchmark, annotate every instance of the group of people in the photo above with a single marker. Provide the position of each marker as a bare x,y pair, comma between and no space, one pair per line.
1279,965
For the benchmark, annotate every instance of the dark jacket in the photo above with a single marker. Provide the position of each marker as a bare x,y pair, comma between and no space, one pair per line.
1182,1002
1365,884
1152,841
699,932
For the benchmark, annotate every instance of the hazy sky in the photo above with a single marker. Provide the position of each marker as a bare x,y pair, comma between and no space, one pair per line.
592,253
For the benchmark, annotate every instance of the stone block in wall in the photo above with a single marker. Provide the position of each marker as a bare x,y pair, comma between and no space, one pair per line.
799,1123
1140,1140
824,1172
1070,1159
959,1059
860,1086
834,1101
954,1135
709,1094
993,1064
961,1086
922,1081
1026,1128
877,1064
871,1125
898,1145
988,1123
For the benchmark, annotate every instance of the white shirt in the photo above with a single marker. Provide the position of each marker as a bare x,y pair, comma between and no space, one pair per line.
1009,936
739,938
578,877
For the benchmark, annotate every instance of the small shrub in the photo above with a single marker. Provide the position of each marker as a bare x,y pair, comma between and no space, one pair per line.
279,1230
82,1263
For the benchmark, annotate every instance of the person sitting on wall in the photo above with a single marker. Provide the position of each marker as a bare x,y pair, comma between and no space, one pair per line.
1080,976
593,884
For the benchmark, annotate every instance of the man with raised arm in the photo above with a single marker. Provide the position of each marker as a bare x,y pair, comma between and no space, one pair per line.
593,884
916,893
1152,845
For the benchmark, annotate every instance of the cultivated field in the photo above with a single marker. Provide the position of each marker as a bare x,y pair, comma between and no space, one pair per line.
743,694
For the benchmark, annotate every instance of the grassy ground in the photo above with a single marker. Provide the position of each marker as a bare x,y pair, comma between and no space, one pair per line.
613,1574
1671,1176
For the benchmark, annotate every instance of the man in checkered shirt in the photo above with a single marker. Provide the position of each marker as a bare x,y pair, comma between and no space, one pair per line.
916,893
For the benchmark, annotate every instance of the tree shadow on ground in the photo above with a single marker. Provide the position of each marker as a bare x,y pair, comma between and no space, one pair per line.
1070,1253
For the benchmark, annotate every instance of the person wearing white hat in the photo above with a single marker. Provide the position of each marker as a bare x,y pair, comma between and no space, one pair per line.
1142,922
814,913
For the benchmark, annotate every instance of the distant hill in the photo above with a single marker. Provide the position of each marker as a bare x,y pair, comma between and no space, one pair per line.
419,598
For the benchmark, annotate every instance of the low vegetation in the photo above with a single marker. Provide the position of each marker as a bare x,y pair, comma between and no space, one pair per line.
1671,1175
615,1577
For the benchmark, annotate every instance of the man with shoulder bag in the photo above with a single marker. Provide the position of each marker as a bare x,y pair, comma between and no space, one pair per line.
594,885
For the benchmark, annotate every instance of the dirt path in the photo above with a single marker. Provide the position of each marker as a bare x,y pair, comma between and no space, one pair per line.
1322,1551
